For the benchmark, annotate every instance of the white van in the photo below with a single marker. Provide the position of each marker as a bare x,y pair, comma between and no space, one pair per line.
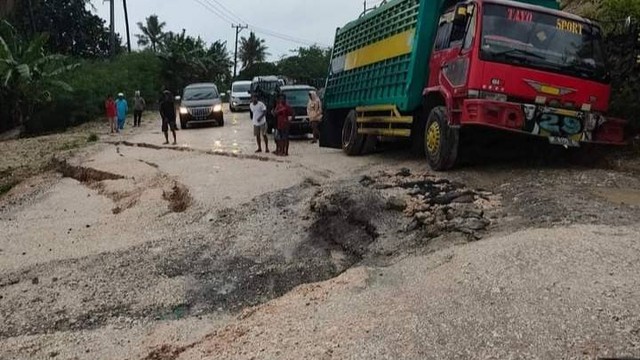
240,97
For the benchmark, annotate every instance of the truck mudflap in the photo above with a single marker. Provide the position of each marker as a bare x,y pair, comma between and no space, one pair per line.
331,130
562,126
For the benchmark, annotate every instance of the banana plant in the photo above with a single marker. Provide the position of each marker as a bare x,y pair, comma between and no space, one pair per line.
28,75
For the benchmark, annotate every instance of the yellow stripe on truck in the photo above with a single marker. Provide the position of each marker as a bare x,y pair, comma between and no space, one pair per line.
389,48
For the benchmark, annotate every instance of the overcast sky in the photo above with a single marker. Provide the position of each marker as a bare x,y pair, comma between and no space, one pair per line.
305,20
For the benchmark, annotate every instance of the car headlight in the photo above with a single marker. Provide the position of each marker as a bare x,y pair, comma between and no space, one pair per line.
217,108
183,110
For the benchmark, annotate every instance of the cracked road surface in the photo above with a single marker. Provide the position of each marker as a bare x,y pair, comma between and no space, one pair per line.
206,250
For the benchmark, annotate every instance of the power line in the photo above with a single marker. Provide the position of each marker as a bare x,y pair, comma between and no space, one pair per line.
232,18
229,12
215,11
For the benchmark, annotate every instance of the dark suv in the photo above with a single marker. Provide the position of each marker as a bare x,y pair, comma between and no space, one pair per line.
200,104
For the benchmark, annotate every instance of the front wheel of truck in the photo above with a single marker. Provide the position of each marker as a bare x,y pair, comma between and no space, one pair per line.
440,140
352,142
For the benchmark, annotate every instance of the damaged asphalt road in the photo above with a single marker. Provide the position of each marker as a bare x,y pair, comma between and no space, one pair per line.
239,258
143,243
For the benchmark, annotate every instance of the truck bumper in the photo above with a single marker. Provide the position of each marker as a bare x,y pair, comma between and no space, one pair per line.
559,125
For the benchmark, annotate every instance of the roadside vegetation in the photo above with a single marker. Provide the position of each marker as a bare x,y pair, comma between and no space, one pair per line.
49,82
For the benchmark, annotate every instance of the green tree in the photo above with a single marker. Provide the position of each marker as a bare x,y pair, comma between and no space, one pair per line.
258,69
308,64
187,59
73,30
152,32
28,75
252,50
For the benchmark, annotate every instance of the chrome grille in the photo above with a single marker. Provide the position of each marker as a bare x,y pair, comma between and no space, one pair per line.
200,112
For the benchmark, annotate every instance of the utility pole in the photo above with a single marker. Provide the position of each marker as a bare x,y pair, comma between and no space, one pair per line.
238,28
112,28
126,20
365,6
31,17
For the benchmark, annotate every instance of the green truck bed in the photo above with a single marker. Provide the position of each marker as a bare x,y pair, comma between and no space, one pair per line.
382,57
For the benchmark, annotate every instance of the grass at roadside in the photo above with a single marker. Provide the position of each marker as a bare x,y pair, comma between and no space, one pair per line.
24,158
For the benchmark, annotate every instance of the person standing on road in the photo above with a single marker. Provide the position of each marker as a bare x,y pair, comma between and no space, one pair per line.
314,111
284,114
168,115
139,105
259,119
112,113
123,108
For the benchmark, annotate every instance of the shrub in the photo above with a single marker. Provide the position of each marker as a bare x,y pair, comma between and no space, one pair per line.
91,83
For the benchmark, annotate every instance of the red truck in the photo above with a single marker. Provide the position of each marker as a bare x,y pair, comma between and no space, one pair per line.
425,69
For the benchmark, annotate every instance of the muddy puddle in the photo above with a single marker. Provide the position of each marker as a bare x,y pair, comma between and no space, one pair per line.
620,196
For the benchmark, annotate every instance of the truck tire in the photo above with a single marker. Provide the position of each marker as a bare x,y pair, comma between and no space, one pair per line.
352,142
440,140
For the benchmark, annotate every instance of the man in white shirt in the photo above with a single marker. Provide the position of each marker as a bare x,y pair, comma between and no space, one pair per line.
259,119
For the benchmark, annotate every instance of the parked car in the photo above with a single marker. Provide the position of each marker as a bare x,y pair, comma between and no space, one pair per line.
240,96
298,98
201,104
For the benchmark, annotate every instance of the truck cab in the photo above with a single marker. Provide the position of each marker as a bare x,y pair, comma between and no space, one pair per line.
520,68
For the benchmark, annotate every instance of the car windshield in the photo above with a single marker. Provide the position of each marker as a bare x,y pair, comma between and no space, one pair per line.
297,98
200,93
544,41
241,88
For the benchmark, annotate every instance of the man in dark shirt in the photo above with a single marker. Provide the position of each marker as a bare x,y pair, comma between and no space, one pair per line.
168,114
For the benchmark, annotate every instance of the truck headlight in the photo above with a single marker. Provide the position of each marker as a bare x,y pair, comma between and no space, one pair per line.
183,110
217,108
476,94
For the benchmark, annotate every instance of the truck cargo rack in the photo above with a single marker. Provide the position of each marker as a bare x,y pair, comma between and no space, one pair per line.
383,120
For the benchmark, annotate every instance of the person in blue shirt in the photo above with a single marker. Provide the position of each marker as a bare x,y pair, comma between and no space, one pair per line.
123,108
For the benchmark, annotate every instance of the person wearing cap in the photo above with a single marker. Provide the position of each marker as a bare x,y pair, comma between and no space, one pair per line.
139,106
123,108
314,111
168,114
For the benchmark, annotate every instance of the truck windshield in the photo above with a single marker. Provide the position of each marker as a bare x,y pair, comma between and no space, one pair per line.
539,40
264,86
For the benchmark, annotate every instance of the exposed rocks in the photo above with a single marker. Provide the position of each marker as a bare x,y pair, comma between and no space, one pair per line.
438,204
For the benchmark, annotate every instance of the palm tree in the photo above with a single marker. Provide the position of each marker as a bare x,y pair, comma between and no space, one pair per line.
152,34
27,74
252,50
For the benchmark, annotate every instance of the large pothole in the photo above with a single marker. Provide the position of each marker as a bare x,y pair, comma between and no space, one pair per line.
245,256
